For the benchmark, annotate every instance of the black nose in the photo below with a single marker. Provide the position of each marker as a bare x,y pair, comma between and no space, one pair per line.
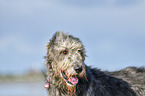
78,69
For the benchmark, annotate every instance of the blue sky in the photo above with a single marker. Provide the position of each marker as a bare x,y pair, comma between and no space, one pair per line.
113,31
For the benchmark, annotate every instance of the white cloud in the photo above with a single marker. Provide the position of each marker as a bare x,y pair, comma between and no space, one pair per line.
23,7
28,7
17,42
67,12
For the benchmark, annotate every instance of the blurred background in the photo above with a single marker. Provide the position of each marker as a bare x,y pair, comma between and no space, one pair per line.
113,32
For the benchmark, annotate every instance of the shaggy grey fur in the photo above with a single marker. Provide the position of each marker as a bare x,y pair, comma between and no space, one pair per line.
65,60
134,76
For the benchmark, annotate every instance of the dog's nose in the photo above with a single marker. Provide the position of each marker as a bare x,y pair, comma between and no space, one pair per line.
78,69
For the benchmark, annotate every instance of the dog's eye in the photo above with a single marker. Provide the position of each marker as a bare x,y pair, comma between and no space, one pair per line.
65,52
79,50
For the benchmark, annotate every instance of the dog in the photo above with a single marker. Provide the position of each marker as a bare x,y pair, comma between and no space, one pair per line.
68,75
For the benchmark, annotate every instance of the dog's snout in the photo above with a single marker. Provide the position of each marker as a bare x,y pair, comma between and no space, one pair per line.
78,69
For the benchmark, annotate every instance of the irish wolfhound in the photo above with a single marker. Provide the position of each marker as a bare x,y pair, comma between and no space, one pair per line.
67,75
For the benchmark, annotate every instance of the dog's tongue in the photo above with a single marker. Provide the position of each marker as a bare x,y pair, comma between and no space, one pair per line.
73,80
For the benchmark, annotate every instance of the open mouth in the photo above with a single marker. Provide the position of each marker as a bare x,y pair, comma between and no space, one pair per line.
72,80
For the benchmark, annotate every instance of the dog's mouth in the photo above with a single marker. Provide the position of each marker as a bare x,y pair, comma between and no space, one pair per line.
72,80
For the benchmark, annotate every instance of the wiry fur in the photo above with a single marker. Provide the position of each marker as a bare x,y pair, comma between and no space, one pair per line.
92,82
134,76
57,62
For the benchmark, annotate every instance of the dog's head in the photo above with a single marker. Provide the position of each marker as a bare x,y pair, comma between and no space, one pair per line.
65,56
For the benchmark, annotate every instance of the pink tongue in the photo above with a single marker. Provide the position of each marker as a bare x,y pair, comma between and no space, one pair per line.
73,80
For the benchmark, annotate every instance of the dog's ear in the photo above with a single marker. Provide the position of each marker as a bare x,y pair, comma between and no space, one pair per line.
48,56
47,46
84,55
